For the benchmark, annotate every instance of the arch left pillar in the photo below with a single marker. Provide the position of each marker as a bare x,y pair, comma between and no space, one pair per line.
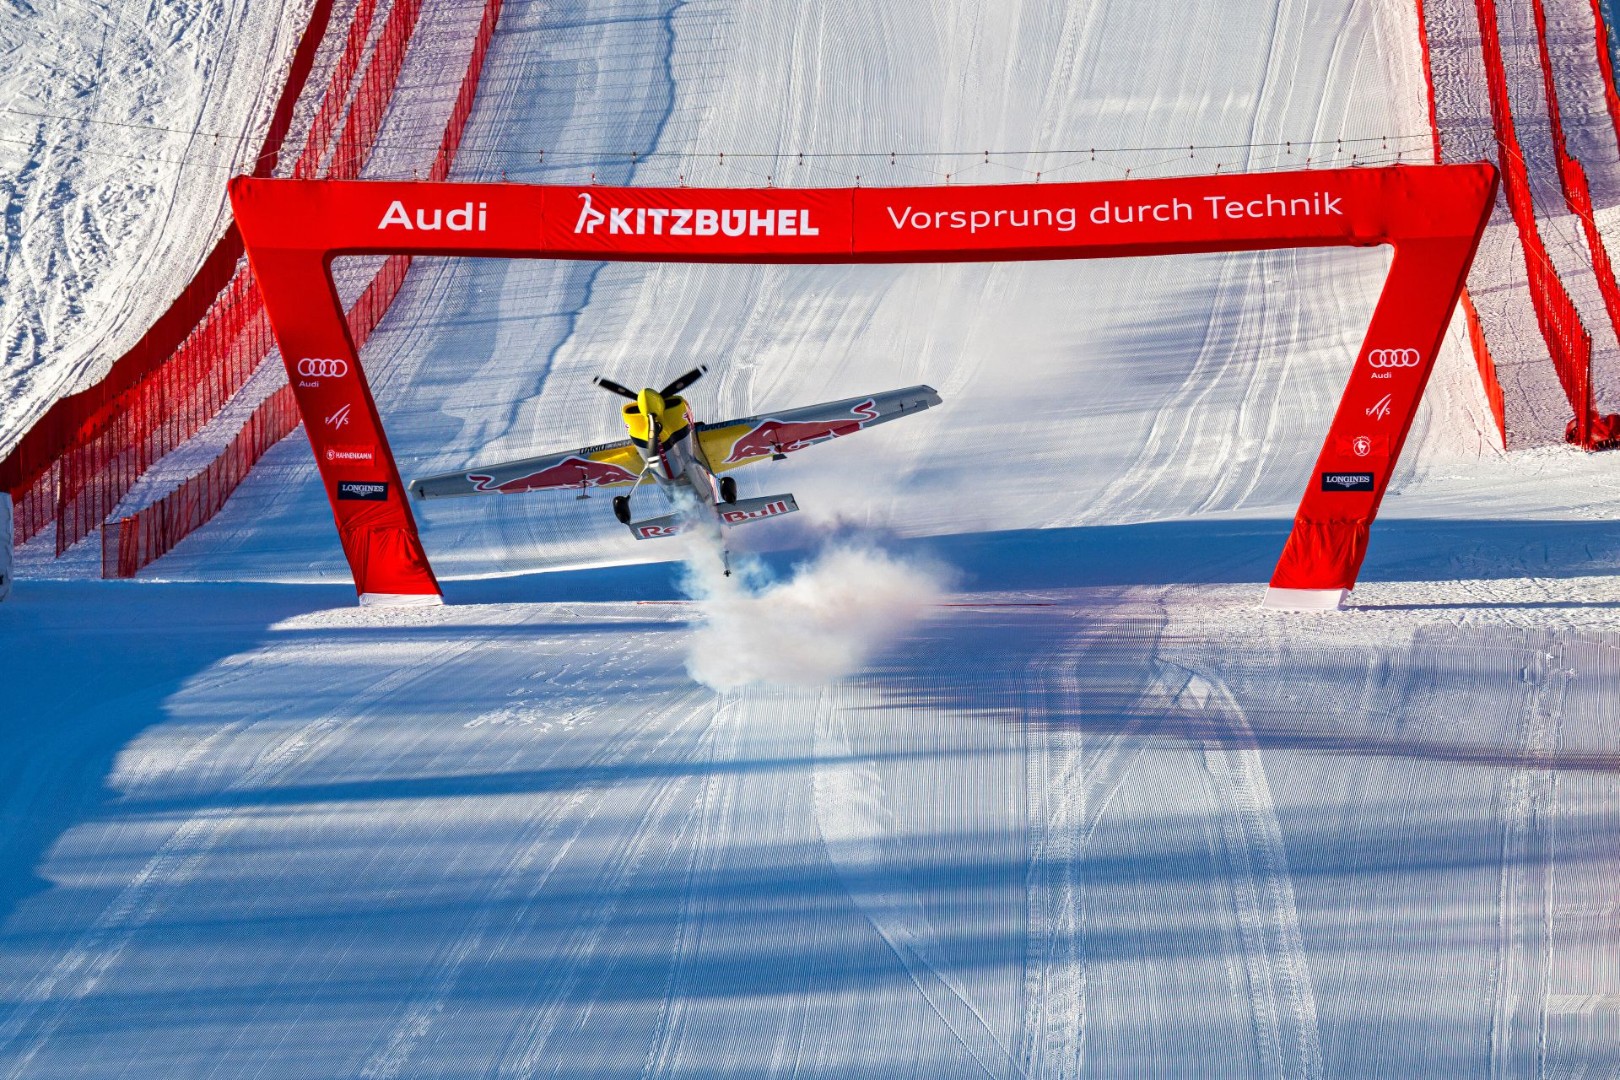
375,525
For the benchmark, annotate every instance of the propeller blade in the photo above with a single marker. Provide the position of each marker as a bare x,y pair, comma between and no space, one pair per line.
614,388
684,381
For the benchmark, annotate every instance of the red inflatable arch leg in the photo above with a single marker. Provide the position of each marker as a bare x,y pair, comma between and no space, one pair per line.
1431,216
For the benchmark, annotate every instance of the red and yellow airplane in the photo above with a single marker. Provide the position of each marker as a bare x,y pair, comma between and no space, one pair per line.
681,456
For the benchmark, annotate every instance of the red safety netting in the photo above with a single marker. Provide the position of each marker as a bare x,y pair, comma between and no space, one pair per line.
1588,431
31,471
153,531
1483,360
1566,336
162,411
1606,67
330,112
376,91
1486,363
159,409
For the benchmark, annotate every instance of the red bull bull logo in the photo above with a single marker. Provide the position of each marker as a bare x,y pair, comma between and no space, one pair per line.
775,437
574,472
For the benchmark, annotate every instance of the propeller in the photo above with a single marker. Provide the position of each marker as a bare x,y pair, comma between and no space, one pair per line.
683,382
614,388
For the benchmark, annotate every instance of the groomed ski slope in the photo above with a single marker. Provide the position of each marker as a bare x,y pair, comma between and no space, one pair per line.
1093,815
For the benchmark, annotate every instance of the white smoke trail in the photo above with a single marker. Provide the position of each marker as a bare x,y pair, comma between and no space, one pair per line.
825,622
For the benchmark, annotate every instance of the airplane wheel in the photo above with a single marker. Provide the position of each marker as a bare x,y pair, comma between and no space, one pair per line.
621,508
728,489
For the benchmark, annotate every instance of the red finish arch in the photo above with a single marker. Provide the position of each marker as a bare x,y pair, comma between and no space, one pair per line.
1432,216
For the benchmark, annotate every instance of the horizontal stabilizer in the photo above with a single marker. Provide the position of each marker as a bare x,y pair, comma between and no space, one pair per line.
654,528
743,511
740,512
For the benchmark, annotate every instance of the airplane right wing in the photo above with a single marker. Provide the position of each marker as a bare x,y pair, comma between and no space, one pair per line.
608,465
734,443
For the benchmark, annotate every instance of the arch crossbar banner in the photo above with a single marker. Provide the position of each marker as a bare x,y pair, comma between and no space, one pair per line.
1431,216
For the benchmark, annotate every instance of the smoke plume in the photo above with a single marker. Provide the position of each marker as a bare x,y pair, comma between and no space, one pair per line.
826,621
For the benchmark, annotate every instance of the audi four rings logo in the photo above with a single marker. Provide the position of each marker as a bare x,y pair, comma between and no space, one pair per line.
1393,358
311,367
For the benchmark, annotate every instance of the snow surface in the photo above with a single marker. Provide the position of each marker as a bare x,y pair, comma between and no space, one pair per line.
1089,812
119,125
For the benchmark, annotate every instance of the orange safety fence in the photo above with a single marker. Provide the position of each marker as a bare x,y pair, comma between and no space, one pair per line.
152,532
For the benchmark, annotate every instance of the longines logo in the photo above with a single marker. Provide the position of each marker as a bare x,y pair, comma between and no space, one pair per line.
362,491
1347,481
687,221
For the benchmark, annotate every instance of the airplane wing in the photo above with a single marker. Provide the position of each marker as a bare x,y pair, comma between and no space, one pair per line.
734,443
608,465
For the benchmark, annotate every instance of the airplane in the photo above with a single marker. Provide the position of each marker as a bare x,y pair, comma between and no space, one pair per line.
684,458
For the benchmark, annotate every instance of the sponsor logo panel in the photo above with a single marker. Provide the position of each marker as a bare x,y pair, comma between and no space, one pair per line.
1364,446
363,490
999,217
1384,362
352,455
460,218
693,221
315,367
649,532
1347,481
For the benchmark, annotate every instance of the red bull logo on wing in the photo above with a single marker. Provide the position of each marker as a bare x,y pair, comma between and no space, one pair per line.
732,517
574,472
775,437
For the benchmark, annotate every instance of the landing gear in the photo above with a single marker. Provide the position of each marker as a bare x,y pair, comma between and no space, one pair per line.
728,489
621,508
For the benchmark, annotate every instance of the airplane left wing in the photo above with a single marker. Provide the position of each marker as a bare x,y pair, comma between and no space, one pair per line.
741,442
608,465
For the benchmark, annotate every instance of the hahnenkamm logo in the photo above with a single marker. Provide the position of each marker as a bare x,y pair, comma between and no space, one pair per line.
1347,481
687,221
